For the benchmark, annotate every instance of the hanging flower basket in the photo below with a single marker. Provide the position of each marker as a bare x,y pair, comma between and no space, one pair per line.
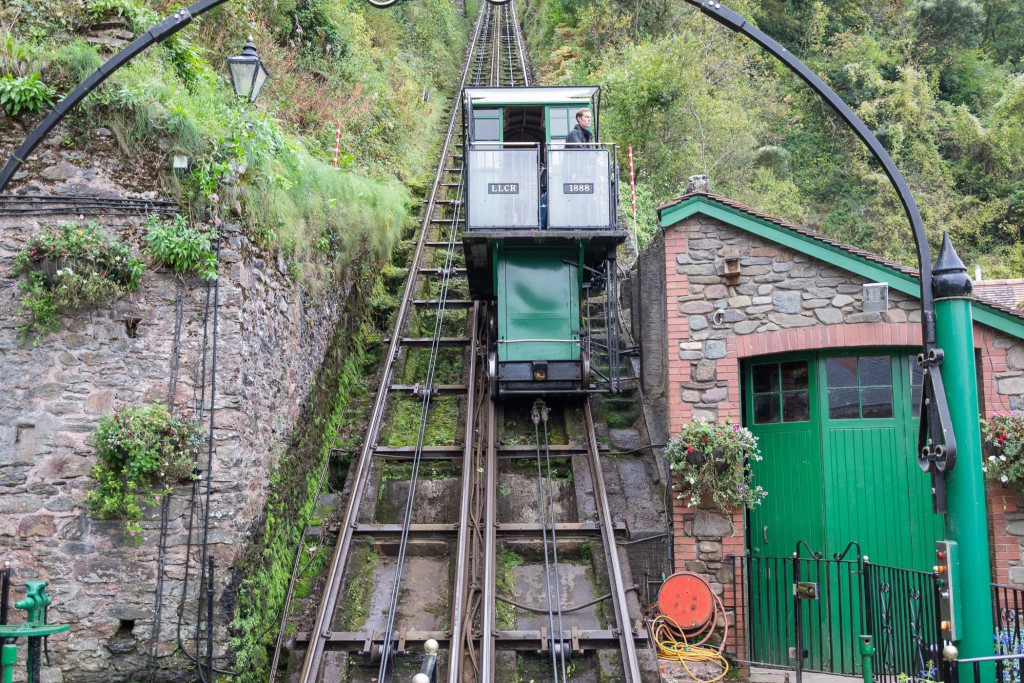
711,462
1004,449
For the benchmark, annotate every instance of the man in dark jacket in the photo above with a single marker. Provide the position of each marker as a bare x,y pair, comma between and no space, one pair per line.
581,131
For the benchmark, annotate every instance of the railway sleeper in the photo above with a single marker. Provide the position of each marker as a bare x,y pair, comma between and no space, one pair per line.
533,640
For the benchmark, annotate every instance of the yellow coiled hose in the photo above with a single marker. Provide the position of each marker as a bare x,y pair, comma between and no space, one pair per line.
673,645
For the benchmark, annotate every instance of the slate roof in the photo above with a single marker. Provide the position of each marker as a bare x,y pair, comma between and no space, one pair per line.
1006,293
1002,295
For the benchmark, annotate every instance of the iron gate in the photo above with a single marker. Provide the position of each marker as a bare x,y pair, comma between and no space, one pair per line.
818,607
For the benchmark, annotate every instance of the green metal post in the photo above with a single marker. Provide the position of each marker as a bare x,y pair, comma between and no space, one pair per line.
966,519
8,660
867,651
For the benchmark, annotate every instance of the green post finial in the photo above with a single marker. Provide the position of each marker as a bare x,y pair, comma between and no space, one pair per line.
949,276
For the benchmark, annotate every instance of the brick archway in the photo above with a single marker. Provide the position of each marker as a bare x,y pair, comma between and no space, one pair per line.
829,337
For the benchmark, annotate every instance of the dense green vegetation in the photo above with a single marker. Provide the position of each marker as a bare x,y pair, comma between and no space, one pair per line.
938,81
331,61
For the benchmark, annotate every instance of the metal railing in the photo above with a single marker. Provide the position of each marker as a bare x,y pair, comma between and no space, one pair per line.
503,185
821,608
903,616
509,188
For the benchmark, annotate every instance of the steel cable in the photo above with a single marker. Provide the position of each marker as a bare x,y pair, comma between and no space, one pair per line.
544,538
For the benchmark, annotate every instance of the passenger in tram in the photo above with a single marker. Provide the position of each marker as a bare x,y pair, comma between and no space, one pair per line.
580,133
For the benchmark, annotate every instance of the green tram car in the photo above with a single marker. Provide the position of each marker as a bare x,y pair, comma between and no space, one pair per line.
541,237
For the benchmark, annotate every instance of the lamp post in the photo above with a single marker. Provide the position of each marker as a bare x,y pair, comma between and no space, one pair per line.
156,34
248,75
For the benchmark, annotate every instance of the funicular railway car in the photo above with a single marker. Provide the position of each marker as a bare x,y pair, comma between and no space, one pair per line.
541,236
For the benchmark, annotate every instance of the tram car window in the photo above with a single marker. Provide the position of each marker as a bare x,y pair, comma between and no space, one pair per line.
549,273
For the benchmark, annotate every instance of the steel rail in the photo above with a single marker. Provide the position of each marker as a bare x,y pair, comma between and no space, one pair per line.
630,666
446,276
488,623
335,576
460,592
519,46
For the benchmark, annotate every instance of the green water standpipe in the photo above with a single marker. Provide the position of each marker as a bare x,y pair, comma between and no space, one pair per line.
966,520
34,629
867,651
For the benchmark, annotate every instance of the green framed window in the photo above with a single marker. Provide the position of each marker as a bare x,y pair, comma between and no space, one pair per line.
560,120
859,387
781,392
487,125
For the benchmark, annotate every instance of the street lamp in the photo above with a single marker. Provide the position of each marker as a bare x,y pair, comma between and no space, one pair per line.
248,75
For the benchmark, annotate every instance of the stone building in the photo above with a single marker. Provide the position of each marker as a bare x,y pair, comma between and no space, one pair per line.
810,344
148,346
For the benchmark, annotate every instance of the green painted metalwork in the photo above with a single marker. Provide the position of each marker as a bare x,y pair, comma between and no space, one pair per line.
34,629
538,293
966,519
901,282
8,659
867,651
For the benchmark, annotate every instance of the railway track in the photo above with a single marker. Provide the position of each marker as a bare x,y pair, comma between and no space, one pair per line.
429,536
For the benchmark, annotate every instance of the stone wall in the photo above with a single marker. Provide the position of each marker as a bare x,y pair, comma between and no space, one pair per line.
271,339
785,301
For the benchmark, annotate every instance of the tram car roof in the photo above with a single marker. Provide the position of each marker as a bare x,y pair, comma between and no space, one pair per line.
498,97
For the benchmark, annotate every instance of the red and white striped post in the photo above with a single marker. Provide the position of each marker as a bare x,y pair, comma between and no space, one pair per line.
632,192
337,144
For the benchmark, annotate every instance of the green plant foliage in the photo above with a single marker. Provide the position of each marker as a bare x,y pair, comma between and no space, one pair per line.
68,266
24,94
712,460
1004,444
180,247
141,452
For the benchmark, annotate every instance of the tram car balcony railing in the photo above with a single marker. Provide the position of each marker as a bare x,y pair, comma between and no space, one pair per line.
582,186
503,185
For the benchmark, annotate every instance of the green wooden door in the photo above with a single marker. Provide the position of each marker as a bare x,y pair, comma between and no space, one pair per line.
875,493
784,418
838,440
842,467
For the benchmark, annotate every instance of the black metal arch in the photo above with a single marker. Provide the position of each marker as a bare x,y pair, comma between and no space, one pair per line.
936,442
159,32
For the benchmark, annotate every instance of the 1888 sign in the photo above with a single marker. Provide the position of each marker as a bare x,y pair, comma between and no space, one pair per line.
577,188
